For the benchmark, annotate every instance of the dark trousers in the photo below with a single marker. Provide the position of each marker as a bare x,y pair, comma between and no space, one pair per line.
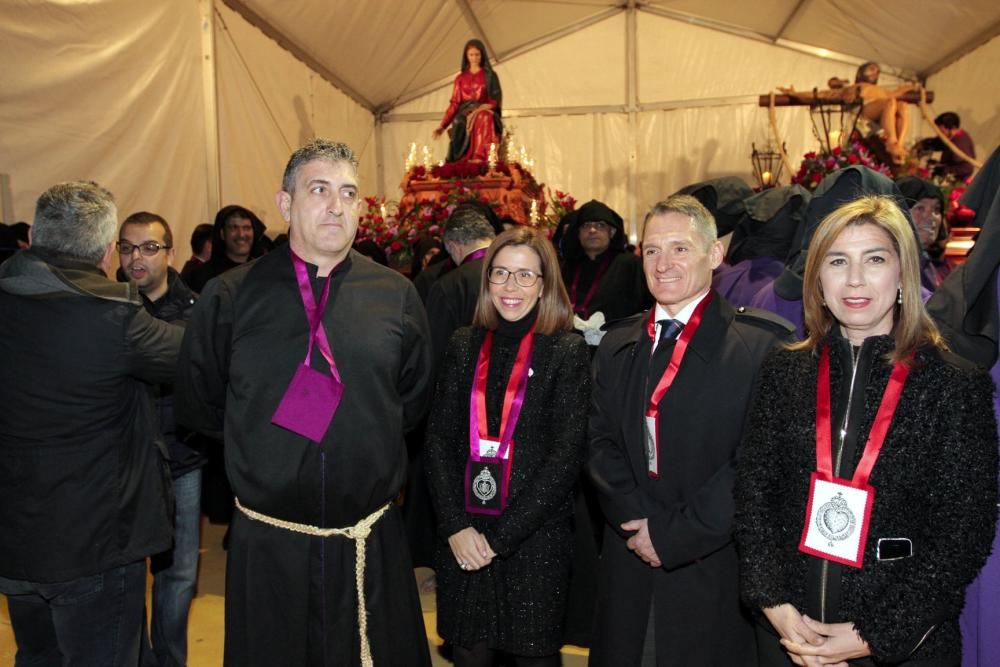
93,620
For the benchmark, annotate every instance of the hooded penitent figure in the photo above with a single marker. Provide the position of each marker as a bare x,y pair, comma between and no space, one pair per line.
601,276
232,244
784,295
966,309
927,206
761,242
475,108
723,197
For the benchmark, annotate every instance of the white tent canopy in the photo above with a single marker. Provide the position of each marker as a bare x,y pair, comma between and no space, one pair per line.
182,106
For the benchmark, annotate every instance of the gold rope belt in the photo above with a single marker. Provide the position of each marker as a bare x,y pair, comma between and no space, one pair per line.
359,532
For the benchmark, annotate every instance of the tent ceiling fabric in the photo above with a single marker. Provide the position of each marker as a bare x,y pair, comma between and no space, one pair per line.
382,52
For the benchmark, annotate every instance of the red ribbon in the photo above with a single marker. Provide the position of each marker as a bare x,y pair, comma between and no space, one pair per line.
513,398
876,437
677,356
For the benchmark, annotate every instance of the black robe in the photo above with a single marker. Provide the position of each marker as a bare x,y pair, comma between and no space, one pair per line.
695,594
290,598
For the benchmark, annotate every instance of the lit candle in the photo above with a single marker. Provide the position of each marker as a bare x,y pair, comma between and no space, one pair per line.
834,138
382,210
533,216
411,159
765,178
427,157
492,158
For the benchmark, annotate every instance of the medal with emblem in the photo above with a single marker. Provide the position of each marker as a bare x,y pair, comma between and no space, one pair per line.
835,520
484,486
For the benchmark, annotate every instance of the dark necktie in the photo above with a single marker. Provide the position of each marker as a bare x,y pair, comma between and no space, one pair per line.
669,329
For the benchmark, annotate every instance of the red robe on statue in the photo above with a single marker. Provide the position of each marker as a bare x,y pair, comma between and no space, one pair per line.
474,112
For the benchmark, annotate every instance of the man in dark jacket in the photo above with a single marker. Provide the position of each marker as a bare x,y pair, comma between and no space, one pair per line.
201,250
84,489
146,251
451,301
661,455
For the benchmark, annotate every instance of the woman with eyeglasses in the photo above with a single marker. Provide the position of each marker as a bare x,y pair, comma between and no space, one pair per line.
504,448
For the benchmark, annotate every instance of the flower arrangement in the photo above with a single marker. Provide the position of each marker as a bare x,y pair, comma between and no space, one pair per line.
381,222
816,166
560,204
455,170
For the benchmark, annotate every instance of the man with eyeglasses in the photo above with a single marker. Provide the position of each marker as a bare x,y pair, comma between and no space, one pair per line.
84,492
600,274
146,252
313,362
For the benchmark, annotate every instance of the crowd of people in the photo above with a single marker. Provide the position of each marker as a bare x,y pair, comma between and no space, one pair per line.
778,451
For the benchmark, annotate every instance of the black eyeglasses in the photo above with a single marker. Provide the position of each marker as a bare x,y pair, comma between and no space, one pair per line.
147,249
523,277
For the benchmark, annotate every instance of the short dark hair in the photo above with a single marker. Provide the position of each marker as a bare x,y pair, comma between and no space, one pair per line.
555,312
467,224
317,149
949,119
147,218
200,236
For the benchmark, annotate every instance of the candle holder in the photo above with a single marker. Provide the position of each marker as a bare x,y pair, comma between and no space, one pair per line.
767,165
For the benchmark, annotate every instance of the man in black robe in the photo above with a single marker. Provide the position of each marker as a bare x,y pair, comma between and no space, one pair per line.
296,592
451,301
600,274
668,591
238,237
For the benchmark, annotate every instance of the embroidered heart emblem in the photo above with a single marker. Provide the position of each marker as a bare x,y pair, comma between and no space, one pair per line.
836,520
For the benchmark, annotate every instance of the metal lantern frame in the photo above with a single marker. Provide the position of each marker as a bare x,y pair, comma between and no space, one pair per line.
767,165
829,116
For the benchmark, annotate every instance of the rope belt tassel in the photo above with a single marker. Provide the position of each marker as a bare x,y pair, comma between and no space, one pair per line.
359,532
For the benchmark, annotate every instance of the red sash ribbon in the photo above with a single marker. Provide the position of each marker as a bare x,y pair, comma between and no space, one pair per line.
876,437
513,401
667,379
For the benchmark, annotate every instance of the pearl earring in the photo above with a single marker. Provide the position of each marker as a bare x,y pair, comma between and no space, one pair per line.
899,295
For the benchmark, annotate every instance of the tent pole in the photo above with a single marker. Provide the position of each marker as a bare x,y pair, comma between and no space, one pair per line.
632,103
210,94
379,156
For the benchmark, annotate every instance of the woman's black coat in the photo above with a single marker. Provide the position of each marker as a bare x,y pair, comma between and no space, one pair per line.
517,603
935,483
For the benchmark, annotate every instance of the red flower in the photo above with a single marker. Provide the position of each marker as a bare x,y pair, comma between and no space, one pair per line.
816,177
837,150
396,246
810,155
852,158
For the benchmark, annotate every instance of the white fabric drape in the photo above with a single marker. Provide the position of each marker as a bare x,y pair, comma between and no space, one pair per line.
108,91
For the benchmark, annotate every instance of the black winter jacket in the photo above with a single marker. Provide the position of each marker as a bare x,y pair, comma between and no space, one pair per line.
83,485
934,481
184,446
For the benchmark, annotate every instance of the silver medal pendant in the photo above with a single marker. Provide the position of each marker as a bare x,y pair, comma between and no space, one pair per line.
484,486
835,520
